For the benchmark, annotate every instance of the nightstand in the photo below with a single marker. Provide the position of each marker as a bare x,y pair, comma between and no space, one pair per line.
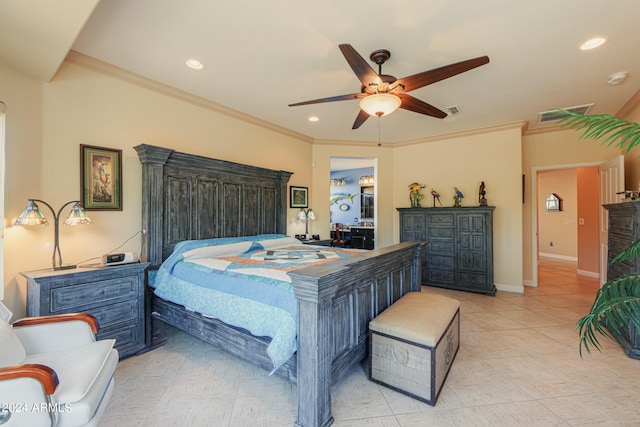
114,295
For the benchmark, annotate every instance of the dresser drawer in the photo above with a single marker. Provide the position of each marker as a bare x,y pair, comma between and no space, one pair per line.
441,276
621,225
441,220
125,336
472,279
441,248
122,312
440,233
82,296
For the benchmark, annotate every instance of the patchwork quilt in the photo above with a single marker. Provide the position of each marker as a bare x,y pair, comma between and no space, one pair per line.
243,282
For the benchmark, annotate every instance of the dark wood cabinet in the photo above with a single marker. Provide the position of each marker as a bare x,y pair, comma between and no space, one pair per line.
459,252
115,296
624,229
362,237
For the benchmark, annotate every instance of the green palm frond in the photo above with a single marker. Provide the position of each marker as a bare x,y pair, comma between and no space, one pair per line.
632,251
624,134
617,304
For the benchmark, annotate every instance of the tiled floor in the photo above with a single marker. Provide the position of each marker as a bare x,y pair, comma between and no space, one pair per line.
518,365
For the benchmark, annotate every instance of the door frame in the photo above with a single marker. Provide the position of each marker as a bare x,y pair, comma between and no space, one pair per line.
534,210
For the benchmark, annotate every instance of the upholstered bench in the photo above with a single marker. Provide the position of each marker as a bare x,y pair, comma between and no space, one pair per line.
413,342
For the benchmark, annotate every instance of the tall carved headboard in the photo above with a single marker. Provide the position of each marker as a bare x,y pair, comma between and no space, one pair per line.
187,197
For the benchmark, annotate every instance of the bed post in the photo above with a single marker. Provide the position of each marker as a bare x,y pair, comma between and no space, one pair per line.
314,295
153,160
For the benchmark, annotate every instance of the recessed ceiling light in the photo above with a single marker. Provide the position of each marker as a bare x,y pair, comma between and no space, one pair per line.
313,119
593,43
194,64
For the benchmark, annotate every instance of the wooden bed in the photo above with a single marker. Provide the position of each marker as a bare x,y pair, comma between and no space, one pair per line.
192,197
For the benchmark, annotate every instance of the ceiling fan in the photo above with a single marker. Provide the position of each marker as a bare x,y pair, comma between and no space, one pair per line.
382,94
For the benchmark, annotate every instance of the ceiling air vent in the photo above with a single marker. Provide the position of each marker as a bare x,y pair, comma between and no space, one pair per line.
550,117
451,110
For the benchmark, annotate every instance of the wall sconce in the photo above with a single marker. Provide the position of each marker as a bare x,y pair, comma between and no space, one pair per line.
553,203
33,216
338,182
306,216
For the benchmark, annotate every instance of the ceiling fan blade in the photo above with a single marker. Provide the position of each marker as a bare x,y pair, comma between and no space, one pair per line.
363,70
425,78
331,99
362,117
417,106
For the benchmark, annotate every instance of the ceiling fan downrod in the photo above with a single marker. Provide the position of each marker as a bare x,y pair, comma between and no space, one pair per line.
380,56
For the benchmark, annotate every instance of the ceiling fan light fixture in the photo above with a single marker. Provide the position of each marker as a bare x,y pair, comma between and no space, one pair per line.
380,104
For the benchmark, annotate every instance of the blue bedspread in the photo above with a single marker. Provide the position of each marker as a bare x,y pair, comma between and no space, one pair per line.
243,281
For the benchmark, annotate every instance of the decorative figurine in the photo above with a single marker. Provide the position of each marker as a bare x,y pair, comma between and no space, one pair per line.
415,195
481,193
436,196
457,198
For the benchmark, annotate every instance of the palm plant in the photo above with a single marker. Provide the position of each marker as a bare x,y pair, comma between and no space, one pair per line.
617,303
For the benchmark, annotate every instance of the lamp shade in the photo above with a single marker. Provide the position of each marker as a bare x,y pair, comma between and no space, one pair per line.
77,216
311,215
380,104
302,215
31,215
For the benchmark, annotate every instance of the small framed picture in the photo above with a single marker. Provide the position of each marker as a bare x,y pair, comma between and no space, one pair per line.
298,197
100,178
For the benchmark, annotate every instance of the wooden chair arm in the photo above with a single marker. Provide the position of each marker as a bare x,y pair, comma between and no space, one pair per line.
41,320
44,374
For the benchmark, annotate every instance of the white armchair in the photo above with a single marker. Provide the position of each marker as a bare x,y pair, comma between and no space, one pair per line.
53,372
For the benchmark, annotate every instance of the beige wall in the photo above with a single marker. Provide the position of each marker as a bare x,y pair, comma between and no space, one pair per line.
558,231
23,127
84,107
464,161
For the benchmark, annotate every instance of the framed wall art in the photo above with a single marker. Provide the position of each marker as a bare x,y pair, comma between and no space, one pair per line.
298,197
100,178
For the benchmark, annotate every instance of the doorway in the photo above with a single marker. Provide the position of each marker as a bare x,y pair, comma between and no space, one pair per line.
568,218
352,199
610,181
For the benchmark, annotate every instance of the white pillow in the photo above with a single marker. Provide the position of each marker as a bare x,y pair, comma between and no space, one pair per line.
279,242
11,349
215,251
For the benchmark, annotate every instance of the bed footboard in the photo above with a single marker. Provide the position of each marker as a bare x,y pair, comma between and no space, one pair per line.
336,301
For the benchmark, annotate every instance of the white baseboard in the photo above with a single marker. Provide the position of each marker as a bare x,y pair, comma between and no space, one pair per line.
589,274
563,257
510,288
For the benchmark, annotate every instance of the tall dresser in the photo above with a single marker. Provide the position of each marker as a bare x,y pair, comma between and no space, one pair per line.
459,253
624,229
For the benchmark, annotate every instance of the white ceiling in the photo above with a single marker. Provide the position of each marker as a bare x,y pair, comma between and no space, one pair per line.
261,56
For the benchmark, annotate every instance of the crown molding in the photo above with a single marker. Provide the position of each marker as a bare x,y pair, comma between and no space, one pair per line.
629,106
90,63
520,124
